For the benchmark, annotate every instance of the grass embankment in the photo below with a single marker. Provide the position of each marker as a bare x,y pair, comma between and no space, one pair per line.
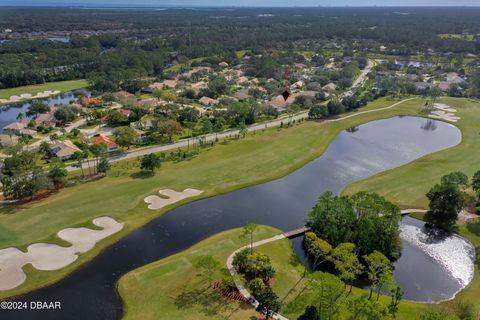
50,86
258,158
172,289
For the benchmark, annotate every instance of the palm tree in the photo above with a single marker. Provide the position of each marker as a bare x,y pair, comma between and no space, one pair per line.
20,116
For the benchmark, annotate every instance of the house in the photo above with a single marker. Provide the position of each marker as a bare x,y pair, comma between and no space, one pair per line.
47,119
331,87
7,140
453,77
206,101
300,66
90,102
15,127
307,93
445,85
280,104
297,85
242,95
99,139
242,80
223,64
142,137
125,112
144,124
63,150
199,86
423,86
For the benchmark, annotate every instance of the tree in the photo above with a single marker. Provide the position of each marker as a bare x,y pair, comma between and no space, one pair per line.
335,107
310,313
207,266
256,286
347,263
268,303
37,108
365,219
248,231
168,95
125,136
318,111
115,119
329,292
457,178
150,162
103,165
446,200
79,156
379,270
476,182
317,248
99,151
219,126
435,93
58,174
242,129
64,115
364,308
168,127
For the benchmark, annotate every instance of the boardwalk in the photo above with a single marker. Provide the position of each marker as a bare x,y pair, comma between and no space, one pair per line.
296,232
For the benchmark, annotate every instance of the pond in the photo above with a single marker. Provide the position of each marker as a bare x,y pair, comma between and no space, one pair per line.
90,292
9,112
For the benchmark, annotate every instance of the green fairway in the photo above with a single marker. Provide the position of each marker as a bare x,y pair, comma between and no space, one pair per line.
50,86
258,158
158,290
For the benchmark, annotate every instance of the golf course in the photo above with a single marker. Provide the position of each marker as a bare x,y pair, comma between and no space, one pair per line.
228,166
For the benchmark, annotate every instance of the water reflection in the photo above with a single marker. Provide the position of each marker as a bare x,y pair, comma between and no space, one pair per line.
430,125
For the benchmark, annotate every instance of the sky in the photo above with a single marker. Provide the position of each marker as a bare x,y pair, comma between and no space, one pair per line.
220,3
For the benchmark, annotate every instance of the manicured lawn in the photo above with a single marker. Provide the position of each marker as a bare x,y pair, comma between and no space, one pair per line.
258,158
51,86
171,288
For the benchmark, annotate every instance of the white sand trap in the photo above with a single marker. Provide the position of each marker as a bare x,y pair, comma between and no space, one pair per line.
444,112
47,256
28,96
156,202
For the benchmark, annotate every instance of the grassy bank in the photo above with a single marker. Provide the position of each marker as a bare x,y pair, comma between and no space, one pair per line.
172,289
51,86
257,158
159,290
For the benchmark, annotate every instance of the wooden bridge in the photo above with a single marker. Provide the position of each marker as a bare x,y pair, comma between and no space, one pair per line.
296,232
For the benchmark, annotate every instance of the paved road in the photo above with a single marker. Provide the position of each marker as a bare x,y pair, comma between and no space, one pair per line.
212,137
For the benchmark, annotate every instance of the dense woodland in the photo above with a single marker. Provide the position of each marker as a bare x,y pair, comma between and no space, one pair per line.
122,45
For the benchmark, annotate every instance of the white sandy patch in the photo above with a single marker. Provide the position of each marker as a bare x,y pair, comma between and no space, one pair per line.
156,202
47,256
28,96
444,112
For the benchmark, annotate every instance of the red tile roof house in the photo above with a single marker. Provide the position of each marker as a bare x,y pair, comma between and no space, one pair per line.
99,139
90,102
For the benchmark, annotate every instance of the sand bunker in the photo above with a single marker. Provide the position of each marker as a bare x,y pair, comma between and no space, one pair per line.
172,196
46,256
444,112
28,96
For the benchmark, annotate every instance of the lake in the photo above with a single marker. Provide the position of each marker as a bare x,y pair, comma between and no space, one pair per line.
9,113
90,292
